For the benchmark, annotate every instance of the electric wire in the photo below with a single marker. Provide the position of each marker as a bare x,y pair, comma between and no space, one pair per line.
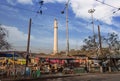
51,15
118,9
106,4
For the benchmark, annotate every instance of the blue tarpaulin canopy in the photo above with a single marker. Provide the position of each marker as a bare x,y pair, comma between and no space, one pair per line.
9,55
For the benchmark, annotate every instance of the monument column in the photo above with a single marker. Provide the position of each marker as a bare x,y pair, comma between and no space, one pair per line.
55,48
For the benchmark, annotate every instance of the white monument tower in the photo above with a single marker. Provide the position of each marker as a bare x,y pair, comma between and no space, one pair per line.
55,48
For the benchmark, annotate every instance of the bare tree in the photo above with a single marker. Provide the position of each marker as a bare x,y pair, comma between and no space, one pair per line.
90,45
113,42
3,42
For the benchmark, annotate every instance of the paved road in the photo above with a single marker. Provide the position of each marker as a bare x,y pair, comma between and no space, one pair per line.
83,77
88,77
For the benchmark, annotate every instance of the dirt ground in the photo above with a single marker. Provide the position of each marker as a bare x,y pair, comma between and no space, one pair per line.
89,77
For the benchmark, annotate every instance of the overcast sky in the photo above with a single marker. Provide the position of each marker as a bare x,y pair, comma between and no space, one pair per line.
15,15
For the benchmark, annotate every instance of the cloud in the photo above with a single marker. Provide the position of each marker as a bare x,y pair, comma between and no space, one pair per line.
25,1
102,12
73,43
106,29
81,7
117,24
53,1
44,39
16,37
18,40
9,9
14,2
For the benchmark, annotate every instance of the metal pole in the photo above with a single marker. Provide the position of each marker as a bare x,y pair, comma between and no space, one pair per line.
100,47
91,11
28,43
99,39
67,31
93,26
14,64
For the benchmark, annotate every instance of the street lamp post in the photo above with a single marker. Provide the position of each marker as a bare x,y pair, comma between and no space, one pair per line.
91,11
67,30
